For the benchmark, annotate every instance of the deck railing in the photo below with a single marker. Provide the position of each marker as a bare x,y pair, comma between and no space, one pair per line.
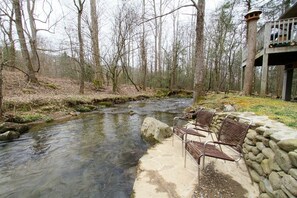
281,33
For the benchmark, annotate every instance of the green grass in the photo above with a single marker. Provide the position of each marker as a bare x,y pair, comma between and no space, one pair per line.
275,109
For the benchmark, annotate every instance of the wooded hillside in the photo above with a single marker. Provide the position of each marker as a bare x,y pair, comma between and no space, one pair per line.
146,44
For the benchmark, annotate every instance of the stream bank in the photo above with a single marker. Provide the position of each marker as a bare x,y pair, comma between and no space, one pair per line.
23,113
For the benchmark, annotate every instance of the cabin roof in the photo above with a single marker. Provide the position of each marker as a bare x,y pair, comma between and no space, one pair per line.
290,13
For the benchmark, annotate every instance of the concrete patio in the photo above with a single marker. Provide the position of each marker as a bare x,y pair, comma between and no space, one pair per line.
161,173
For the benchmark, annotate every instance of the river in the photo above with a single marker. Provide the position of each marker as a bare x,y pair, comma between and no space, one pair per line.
94,155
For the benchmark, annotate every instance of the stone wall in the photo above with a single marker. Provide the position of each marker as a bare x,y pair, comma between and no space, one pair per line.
270,151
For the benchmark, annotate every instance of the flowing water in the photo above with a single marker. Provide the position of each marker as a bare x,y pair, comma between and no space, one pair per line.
94,155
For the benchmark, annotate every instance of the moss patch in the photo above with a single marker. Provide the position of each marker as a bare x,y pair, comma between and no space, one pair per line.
24,118
276,109
85,108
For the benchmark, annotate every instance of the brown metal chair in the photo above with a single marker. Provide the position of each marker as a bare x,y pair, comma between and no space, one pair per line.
231,134
202,124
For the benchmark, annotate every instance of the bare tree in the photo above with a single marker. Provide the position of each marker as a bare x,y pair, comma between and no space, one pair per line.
116,61
199,51
6,26
143,50
24,49
79,4
175,46
1,83
99,79
33,35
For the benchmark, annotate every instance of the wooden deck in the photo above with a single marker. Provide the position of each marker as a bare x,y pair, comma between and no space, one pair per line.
278,40
276,45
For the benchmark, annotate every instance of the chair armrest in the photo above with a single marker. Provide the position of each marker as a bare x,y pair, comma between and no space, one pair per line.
223,143
200,129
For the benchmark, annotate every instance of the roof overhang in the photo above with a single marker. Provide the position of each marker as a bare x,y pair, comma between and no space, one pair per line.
292,12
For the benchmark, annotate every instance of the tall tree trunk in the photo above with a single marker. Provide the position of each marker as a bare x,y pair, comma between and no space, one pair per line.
33,36
199,53
79,8
12,51
160,44
99,77
1,84
24,49
156,39
174,64
143,51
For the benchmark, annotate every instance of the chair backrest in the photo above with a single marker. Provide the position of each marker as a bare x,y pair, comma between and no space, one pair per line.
233,133
204,117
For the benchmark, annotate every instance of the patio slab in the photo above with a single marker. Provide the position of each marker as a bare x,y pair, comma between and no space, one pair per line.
161,173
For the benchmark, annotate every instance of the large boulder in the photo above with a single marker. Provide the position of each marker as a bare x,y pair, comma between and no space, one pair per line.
9,135
153,130
10,126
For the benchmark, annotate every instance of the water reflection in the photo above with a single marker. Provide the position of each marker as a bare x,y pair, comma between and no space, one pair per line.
93,156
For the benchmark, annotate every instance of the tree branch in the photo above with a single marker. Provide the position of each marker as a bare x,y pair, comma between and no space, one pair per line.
170,12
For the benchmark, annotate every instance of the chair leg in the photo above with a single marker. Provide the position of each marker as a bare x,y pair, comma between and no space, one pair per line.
185,160
203,162
198,174
182,149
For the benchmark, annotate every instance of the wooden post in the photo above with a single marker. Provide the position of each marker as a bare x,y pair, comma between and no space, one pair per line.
264,78
251,18
287,83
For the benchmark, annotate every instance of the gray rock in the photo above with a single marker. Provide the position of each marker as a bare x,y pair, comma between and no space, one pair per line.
260,146
288,145
266,142
281,173
283,160
259,157
255,176
273,145
152,127
9,135
251,134
293,173
255,151
268,152
9,126
265,166
244,151
249,142
261,130
268,187
287,192
262,186
279,194
259,138
251,156
293,158
257,167
275,166
290,183
267,133
275,180
264,195
229,108
248,147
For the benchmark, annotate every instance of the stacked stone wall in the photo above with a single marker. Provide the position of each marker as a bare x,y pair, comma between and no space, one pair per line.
271,155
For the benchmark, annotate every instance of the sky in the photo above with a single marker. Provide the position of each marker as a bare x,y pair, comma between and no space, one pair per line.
108,7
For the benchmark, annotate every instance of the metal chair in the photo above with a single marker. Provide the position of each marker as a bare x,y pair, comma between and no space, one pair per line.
202,124
231,134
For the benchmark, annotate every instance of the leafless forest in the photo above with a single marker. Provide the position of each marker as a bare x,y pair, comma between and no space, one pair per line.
180,44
